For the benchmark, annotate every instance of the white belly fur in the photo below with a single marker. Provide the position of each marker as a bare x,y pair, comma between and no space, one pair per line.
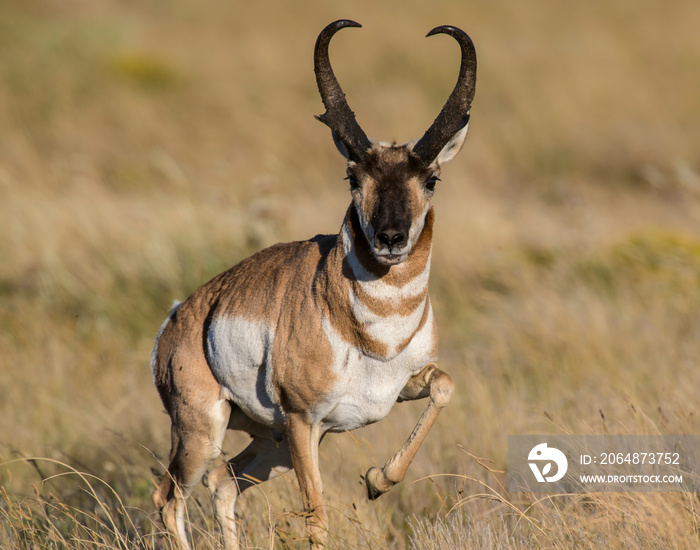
366,388
238,351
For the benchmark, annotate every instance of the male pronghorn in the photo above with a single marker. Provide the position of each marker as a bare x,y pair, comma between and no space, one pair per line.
318,336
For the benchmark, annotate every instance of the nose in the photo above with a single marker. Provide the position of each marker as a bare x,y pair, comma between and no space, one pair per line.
391,238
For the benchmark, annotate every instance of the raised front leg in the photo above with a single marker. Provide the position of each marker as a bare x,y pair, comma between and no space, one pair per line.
430,381
304,439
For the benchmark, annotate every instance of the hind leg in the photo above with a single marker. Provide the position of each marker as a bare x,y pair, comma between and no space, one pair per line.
197,434
262,460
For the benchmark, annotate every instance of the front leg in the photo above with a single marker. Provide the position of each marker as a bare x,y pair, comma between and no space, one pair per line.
430,381
304,439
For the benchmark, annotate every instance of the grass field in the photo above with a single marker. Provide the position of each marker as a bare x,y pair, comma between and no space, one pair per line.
146,146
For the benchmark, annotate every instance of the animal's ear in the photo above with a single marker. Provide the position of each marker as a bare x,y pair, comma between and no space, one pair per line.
450,150
340,146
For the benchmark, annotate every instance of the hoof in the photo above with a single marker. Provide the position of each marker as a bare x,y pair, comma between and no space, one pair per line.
377,483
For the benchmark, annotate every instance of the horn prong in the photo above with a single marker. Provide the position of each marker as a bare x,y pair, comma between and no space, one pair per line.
455,114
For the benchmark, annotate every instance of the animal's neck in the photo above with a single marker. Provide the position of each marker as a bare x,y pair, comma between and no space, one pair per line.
406,278
378,308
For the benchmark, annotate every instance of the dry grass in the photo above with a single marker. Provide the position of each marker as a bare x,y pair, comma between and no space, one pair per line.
147,146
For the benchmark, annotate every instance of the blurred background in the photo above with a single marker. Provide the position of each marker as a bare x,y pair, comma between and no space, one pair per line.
147,146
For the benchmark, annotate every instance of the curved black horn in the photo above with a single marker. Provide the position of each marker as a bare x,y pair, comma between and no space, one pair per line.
338,116
455,114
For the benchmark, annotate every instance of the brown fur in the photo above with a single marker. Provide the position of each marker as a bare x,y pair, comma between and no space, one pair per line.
294,288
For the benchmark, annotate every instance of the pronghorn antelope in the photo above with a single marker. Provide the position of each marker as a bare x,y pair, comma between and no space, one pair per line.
318,336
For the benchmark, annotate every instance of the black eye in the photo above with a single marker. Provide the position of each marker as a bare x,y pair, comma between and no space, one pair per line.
430,183
353,182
